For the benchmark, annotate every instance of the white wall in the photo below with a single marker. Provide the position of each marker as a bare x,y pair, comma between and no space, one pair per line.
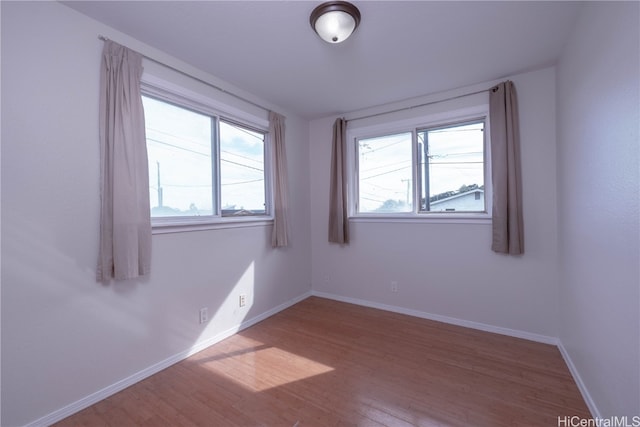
598,143
449,269
64,336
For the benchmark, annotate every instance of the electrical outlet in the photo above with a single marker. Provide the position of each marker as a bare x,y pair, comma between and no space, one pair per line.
394,286
243,300
204,315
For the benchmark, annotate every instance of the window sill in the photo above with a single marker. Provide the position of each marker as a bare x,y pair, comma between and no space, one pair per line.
168,226
484,219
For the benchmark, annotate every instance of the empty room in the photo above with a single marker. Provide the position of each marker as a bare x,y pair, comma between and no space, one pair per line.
307,213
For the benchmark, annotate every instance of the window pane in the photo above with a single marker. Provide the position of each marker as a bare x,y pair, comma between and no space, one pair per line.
385,174
453,173
180,166
242,177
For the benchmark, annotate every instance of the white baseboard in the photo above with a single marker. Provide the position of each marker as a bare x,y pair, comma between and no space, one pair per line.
87,401
445,319
595,413
93,398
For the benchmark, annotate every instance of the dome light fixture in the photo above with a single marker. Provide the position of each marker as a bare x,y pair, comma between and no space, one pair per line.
334,21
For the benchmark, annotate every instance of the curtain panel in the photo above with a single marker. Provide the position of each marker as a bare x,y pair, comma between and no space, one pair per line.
338,217
125,222
507,220
279,235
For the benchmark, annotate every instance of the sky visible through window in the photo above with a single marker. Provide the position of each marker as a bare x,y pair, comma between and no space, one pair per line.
385,173
182,167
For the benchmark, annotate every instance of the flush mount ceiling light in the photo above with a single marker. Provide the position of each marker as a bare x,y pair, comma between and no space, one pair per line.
334,21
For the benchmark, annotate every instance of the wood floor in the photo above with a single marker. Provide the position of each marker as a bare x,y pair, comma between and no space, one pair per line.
326,363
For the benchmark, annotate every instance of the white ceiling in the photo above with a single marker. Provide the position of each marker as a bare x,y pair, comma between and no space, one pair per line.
402,49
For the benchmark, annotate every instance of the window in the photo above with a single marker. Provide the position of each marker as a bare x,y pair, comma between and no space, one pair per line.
202,167
386,174
242,180
440,169
452,168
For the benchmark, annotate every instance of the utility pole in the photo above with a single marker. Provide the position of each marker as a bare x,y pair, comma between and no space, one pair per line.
408,181
159,186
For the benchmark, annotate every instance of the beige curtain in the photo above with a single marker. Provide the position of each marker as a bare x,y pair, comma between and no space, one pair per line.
508,229
338,219
279,235
125,222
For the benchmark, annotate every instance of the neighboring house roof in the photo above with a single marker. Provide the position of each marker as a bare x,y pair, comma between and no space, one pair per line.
466,193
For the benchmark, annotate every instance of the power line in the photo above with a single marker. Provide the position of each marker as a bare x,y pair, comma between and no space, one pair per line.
206,185
240,164
244,157
455,163
387,165
241,129
373,150
372,200
454,154
178,147
181,138
242,182
385,173
187,186
203,154
453,130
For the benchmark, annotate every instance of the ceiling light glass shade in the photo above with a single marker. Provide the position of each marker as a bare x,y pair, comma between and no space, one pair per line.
334,21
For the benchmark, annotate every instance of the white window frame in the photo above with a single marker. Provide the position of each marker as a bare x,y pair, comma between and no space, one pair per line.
162,90
414,125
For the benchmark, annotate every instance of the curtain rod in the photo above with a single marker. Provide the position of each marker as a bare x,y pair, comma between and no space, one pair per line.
104,38
418,106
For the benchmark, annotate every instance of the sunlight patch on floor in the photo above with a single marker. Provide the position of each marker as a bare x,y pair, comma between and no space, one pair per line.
248,363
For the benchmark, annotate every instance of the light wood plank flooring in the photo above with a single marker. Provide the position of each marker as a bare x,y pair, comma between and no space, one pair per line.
327,363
